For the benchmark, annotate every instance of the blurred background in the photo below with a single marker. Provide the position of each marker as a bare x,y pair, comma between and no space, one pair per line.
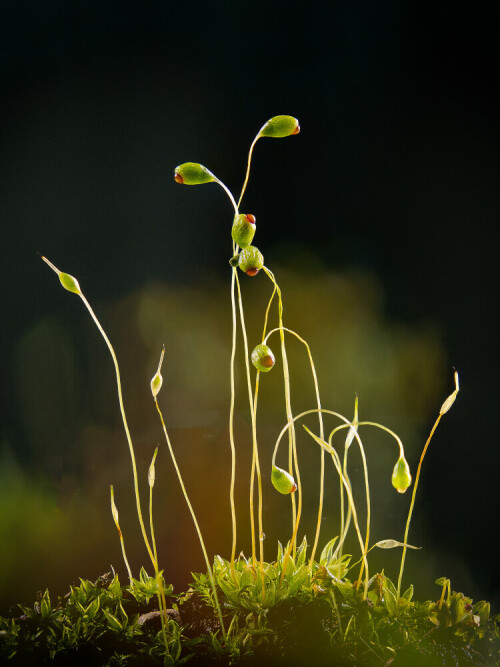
379,220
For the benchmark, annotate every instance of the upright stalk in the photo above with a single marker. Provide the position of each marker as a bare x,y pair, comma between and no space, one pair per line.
292,446
125,426
254,443
321,427
444,409
231,428
195,521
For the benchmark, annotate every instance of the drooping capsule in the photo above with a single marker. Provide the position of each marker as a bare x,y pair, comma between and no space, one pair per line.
263,358
234,261
243,229
280,126
282,481
401,477
192,173
251,260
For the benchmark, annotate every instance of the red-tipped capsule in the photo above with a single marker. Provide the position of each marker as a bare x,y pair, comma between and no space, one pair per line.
251,260
192,173
283,481
243,229
280,126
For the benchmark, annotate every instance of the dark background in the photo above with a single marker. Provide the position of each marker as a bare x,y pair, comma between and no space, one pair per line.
396,172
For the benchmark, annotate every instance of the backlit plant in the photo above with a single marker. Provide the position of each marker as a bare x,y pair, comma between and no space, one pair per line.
244,590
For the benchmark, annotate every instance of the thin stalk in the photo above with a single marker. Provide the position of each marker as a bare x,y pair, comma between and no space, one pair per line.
412,503
125,425
73,286
350,436
254,439
114,511
231,428
336,461
321,427
249,161
151,480
232,399
253,470
162,604
331,451
344,525
401,453
161,596
229,194
292,446
195,521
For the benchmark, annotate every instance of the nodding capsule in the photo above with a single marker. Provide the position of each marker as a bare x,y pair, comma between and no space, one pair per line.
263,358
401,477
251,260
282,481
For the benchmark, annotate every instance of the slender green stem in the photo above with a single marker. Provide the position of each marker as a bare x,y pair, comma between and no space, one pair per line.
195,521
330,450
232,400
125,425
229,194
367,491
292,446
338,466
231,426
151,480
249,161
254,438
344,529
412,503
321,427
114,512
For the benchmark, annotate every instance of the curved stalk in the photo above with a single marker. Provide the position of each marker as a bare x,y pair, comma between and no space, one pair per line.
329,449
321,427
125,425
292,445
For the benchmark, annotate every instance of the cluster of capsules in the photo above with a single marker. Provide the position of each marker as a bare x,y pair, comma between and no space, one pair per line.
247,257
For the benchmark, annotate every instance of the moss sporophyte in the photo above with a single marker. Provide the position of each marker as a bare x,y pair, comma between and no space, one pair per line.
364,618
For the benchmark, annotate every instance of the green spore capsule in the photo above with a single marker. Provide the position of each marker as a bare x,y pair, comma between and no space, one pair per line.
192,173
401,477
283,481
234,261
263,358
243,229
69,283
157,379
251,260
280,126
